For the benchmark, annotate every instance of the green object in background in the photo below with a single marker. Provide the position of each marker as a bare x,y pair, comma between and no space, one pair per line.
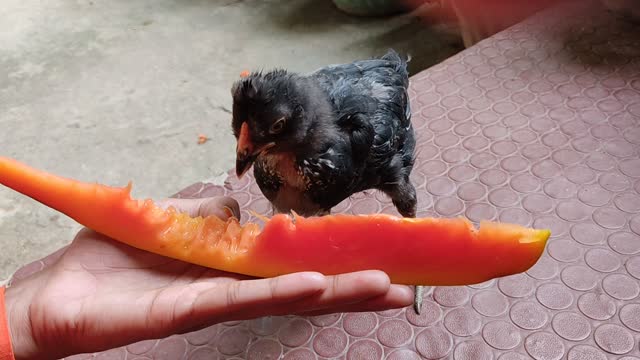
371,7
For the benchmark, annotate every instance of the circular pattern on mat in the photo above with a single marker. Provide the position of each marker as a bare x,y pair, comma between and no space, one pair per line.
571,326
544,346
490,303
597,306
614,339
501,335
434,343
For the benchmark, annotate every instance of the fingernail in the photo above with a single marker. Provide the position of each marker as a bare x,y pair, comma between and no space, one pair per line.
404,292
409,296
308,277
229,212
315,276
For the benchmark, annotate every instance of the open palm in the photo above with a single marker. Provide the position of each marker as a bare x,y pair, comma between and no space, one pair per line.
102,294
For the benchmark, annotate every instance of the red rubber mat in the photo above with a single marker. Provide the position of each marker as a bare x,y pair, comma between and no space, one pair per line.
538,125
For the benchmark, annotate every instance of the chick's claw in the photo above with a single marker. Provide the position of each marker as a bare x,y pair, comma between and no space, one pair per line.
417,301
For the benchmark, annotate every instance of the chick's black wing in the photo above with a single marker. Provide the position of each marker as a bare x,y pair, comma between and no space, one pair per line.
372,106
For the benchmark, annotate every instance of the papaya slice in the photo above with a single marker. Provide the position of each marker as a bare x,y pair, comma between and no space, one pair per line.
425,251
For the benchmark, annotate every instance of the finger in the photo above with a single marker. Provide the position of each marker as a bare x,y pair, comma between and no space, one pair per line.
220,206
341,291
175,309
398,296
287,294
351,288
242,297
228,205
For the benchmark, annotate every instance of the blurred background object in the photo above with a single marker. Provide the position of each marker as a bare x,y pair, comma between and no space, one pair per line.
475,20
371,7
479,19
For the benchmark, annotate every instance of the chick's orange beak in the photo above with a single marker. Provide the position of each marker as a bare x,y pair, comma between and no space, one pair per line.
245,153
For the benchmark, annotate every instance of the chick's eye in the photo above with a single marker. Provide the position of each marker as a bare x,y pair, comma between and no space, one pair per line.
277,126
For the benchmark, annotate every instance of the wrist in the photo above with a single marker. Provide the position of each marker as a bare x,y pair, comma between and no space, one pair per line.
6,343
16,302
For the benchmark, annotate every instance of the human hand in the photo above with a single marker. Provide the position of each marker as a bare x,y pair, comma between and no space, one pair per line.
102,294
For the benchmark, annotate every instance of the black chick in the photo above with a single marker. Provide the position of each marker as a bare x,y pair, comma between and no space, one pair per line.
316,139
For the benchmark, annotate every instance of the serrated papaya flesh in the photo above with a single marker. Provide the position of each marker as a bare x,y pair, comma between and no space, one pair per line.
426,251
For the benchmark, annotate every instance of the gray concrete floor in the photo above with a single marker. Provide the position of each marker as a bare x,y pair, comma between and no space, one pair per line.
112,91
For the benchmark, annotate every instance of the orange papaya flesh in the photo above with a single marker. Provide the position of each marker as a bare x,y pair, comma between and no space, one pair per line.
425,251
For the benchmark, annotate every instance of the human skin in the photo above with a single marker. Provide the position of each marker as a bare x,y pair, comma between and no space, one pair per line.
102,294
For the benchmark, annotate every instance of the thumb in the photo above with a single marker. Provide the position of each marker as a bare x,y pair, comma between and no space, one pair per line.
223,207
